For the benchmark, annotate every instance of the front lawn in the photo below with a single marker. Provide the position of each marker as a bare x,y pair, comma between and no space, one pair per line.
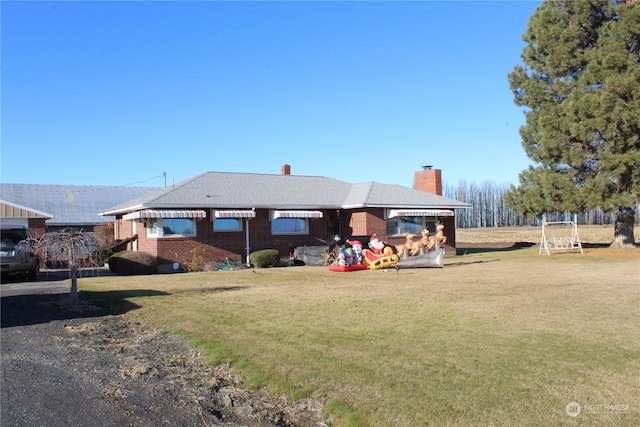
497,338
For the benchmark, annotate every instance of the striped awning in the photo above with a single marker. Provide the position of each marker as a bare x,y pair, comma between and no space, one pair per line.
393,213
296,214
234,214
155,213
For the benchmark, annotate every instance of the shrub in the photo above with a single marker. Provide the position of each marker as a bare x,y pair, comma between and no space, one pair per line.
129,263
265,258
196,262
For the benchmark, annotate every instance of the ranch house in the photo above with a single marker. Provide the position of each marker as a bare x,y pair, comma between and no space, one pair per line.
221,215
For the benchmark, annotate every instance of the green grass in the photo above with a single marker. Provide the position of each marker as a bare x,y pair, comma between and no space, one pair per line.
494,338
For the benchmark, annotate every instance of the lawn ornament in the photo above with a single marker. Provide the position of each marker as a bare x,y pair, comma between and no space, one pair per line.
349,255
438,238
433,253
380,255
342,258
409,247
356,245
376,245
347,268
424,240
433,258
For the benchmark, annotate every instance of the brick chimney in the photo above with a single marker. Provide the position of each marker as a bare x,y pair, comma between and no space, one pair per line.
285,169
428,180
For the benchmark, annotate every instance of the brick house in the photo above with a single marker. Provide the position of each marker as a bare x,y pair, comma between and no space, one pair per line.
221,214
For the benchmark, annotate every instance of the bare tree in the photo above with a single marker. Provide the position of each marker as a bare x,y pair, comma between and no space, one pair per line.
71,248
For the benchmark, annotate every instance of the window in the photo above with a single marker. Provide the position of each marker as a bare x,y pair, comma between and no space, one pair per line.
227,224
171,227
398,226
290,226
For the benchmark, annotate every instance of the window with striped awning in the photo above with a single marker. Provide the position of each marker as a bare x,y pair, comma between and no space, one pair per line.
296,214
395,213
234,214
158,213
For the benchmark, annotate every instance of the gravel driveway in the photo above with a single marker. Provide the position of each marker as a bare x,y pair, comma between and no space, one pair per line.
75,365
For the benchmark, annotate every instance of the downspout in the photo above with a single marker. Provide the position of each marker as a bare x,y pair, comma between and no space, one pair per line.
246,220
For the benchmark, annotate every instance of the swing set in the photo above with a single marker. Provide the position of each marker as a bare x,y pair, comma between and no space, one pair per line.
560,236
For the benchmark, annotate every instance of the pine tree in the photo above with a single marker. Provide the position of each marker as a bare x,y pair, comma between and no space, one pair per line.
580,89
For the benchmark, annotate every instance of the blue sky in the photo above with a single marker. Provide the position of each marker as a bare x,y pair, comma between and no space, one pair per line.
116,93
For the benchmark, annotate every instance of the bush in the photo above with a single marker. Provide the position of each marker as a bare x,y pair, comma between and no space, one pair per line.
265,258
128,263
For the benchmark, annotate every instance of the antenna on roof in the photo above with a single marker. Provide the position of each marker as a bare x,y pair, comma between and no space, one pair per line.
164,174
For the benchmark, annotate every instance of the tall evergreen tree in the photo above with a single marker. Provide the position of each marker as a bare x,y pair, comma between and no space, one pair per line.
580,89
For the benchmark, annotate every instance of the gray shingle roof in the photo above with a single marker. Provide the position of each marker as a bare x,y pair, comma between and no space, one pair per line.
245,190
70,204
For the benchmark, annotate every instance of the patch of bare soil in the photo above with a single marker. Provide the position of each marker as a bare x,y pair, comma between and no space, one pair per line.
109,370
150,360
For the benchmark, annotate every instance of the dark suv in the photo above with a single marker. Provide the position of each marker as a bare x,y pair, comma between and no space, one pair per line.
15,252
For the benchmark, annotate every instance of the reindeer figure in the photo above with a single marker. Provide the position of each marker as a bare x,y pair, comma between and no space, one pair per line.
408,246
438,237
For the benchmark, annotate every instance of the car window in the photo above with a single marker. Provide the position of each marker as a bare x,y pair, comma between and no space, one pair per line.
12,237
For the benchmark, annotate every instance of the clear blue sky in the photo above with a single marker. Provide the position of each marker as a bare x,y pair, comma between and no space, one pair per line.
116,93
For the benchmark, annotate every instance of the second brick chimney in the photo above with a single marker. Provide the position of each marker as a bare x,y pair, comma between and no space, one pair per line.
428,180
285,169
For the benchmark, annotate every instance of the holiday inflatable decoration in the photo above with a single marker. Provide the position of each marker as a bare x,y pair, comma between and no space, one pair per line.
408,247
432,258
432,253
356,246
347,268
379,255
424,240
439,238
350,259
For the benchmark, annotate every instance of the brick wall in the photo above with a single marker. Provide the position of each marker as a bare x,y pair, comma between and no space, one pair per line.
211,245
37,227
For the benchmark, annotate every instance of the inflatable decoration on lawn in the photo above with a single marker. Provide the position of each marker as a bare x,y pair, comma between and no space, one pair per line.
424,240
438,239
409,247
356,245
379,255
350,259
432,254
349,255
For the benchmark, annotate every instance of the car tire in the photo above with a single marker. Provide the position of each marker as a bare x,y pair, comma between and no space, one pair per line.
32,275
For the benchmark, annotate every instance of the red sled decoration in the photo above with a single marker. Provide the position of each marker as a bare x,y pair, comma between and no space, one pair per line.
377,261
347,268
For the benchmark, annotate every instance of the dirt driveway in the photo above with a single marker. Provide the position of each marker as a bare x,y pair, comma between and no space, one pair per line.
76,365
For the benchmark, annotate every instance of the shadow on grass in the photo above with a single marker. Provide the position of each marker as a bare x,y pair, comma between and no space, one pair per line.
218,290
117,302
493,247
461,263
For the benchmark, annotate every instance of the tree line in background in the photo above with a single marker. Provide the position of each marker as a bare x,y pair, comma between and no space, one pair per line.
489,208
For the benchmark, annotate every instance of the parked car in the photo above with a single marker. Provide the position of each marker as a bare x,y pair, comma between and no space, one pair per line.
15,253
